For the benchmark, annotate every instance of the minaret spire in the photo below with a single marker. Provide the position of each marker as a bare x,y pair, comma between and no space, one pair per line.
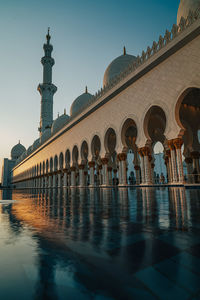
47,89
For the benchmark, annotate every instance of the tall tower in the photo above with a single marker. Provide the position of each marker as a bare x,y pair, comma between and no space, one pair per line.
46,89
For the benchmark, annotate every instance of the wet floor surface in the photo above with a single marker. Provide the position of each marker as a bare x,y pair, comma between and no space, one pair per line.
100,244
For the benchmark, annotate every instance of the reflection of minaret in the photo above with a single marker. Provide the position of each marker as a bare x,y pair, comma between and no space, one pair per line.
47,89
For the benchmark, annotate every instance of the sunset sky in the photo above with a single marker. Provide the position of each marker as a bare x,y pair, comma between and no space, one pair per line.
86,36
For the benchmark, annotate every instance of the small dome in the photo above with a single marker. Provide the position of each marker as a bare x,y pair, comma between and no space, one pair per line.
59,123
117,66
80,103
45,135
185,6
29,150
36,144
17,151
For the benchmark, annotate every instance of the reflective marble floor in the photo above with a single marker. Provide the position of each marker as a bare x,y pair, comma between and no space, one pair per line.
100,244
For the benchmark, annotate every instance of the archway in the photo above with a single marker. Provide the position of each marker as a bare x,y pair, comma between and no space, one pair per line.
110,142
128,137
154,129
187,115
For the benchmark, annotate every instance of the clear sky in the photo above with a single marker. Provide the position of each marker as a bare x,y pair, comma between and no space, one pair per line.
86,35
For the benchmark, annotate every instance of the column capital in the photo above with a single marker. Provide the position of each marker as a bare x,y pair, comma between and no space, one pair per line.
171,145
81,166
104,161
144,151
73,169
178,143
91,164
121,156
195,154
168,153
188,160
136,168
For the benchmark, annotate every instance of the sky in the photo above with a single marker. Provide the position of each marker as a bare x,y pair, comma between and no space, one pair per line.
86,35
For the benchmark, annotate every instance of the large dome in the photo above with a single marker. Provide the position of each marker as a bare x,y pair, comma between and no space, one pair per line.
17,151
117,66
80,102
185,6
59,123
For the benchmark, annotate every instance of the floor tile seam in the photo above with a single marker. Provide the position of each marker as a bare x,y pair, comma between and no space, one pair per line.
174,281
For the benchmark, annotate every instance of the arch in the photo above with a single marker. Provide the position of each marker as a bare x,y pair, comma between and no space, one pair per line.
75,155
95,146
129,133
155,124
67,158
47,166
110,140
55,163
61,161
43,167
84,151
51,164
40,170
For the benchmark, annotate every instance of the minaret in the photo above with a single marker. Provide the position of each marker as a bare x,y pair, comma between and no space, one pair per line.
47,89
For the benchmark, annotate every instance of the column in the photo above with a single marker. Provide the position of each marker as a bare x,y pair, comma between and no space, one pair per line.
86,178
122,158
147,169
142,165
110,175
152,173
51,180
105,171
59,179
54,180
173,161
189,165
170,178
73,176
137,174
178,143
81,175
92,167
65,178
119,169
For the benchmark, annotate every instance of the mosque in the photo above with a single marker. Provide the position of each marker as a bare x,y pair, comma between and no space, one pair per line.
145,99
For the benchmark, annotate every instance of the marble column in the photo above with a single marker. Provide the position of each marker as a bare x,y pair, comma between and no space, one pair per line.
189,165
170,178
92,168
81,175
137,174
59,179
73,176
178,143
173,161
146,165
122,157
105,171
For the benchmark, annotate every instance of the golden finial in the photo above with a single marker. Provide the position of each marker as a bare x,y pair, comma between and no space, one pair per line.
64,111
124,50
48,35
86,89
19,141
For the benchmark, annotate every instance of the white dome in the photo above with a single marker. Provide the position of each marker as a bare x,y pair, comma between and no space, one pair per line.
117,66
17,151
81,102
45,135
59,123
185,6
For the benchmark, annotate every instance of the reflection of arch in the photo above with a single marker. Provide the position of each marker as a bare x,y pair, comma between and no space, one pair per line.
61,161
67,158
75,155
95,146
110,141
129,133
84,151
55,163
155,124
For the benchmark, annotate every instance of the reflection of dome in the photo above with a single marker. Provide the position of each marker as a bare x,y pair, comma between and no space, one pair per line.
59,123
45,135
80,102
185,6
117,66
17,151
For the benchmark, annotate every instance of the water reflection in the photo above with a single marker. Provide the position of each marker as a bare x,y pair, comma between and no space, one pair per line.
87,238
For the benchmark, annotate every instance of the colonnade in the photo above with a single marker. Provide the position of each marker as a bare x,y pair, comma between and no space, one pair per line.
104,174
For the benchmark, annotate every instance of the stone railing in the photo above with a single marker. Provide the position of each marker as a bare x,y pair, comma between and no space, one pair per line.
141,59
